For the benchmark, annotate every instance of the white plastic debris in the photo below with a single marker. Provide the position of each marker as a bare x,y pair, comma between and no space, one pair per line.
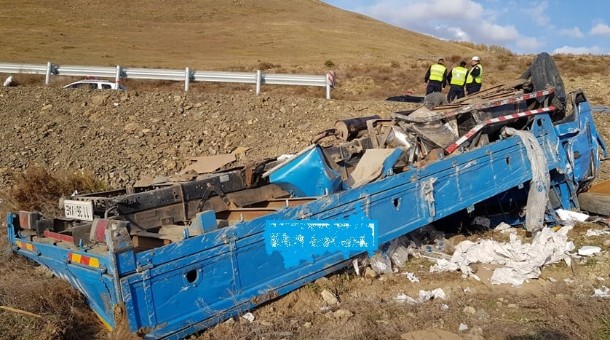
248,316
597,232
412,277
437,293
482,221
399,254
444,307
463,327
571,216
520,261
284,157
381,263
504,228
404,298
424,295
602,292
589,250
538,194
356,267
8,81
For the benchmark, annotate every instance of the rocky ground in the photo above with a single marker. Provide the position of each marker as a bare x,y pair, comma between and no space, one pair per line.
121,137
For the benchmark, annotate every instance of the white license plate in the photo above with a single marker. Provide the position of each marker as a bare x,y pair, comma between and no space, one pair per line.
80,210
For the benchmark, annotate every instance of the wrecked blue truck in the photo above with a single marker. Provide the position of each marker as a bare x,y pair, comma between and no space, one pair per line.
175,258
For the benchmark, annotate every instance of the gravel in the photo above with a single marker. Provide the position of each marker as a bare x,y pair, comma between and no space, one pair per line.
121,137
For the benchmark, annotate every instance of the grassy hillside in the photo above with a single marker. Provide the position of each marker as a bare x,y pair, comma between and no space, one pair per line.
204,34
373,60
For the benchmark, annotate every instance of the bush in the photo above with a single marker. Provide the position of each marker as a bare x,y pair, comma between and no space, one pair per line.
329,63
264,65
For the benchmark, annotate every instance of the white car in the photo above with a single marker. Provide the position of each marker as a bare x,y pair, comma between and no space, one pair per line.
95,84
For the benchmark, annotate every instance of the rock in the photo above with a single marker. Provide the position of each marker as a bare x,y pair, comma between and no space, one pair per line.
343,314
511,305
307,324
322,282
469,310
369,272
329,297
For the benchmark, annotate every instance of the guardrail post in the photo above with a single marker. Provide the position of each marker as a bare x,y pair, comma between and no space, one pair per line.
259,79
117,76
187,79
47,77
330,82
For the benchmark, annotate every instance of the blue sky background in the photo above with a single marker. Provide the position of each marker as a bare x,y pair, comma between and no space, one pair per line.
560,26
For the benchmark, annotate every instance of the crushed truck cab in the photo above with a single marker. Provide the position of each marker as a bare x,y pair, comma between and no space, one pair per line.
178,257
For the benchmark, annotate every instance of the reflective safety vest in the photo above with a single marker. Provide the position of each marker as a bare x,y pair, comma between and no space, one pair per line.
458,75
470,80
437,72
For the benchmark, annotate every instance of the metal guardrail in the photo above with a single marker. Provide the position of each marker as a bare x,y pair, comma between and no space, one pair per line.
117,73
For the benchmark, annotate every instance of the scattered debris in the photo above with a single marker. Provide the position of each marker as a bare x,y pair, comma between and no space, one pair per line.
444,307
602,292
597,232
504,228
381,263
463,327
8,81
248,316
412,277
424,296
589,250
571,216
208,164
482,221
520,261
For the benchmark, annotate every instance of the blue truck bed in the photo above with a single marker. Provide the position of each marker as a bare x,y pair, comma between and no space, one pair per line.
177,258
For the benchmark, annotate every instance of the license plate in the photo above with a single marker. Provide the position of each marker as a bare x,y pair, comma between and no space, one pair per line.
80,210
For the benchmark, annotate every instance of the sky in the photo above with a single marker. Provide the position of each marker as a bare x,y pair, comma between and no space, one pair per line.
554,26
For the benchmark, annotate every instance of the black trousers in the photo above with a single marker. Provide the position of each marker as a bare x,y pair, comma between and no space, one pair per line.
473,88
455,92
434,86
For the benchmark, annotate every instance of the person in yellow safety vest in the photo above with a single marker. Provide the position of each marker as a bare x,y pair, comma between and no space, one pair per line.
436,77
457,78
474,77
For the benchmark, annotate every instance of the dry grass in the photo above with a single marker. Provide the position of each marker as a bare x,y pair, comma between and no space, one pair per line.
64,312
204,34
36,189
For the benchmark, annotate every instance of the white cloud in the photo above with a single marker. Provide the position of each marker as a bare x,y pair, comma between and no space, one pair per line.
497,33
538,14
600,29
579,50
433,10
528,44
445,19
458,33
571,32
